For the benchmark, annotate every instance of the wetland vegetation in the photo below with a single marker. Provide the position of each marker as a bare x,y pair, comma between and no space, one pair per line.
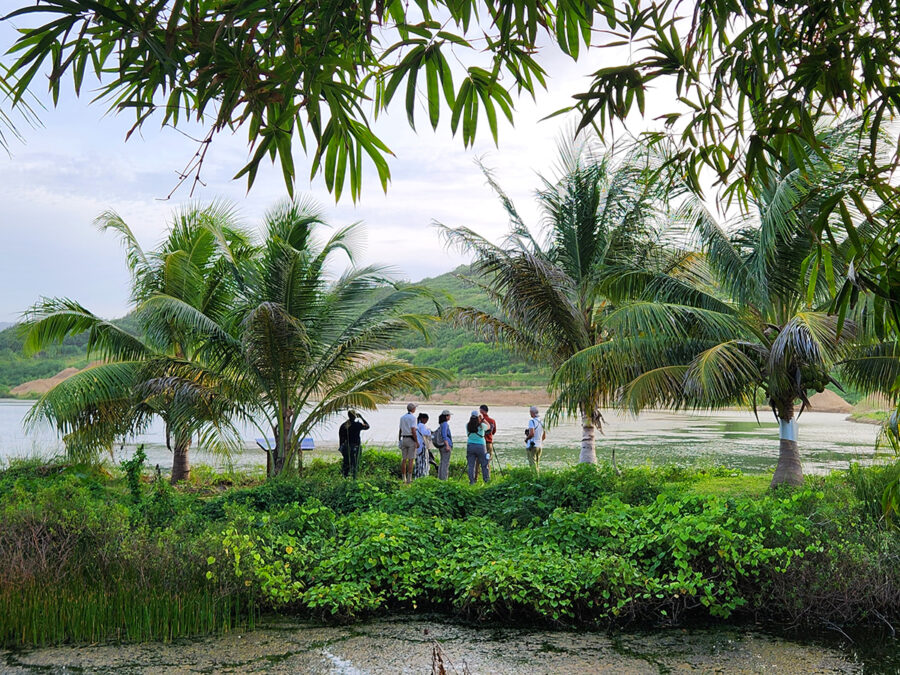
136,559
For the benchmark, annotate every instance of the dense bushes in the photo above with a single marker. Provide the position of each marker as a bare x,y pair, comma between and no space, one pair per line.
584,546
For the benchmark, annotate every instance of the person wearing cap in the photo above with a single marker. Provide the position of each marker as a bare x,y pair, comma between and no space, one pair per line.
350,442
534,439
408,442
443,441
476,451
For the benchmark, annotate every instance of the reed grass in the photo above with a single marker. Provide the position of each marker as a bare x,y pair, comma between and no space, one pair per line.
42,615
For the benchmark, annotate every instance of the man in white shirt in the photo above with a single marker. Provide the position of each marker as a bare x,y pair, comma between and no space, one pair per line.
409,442
534,439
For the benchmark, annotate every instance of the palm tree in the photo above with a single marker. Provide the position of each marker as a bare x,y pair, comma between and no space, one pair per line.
548,303
746,315
302,345
195,267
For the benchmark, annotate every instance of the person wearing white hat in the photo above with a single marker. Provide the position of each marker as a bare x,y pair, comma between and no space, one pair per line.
476,449
443,441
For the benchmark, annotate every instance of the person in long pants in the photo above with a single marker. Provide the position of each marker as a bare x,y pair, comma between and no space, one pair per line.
447,440
476,450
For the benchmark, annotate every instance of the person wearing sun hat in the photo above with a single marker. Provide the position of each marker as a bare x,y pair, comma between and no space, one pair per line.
443,441
476,450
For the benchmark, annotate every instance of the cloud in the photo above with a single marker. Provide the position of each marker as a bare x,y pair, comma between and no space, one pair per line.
79,165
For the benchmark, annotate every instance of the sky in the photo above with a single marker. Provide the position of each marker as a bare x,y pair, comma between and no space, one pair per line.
77,164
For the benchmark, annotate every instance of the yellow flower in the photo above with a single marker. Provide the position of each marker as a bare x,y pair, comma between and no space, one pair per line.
289,549
247,583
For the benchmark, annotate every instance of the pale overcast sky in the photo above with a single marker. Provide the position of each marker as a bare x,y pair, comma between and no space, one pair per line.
78,164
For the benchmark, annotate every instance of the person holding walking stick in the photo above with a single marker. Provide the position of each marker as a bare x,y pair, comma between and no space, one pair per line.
489,434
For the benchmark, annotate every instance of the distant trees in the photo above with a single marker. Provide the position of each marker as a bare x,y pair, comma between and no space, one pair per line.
748,314
231,331
601,211
191,271
299,344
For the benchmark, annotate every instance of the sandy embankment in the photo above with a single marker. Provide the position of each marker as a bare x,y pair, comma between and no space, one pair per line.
827,401
43,385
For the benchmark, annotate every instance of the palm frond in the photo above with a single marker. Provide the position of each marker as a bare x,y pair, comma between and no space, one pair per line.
874,368
672,320
810,338
54,319
658,388
372,384
725,374
92,408
134,254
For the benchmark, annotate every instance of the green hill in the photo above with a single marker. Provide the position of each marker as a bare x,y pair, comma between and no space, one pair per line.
448,347
456,349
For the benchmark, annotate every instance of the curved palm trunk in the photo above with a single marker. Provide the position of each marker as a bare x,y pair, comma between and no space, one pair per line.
181,466
588,446
283,443
789,470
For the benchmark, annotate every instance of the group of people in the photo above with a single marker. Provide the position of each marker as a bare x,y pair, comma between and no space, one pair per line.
416,441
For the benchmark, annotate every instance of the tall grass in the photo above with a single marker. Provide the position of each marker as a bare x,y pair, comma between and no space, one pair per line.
42,615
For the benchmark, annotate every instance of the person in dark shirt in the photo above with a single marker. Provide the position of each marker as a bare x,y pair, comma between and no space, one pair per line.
350,443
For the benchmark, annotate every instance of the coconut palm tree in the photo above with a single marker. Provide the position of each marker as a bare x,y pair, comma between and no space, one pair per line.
195,267
301,345
600,211
747,315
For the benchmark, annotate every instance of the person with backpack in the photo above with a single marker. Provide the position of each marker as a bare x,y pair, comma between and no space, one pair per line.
443,441
476,428
534,439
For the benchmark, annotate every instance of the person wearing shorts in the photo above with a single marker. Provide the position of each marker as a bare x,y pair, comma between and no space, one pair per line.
408,442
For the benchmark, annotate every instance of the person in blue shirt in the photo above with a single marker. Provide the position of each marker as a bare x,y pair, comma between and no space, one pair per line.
443,441
476,447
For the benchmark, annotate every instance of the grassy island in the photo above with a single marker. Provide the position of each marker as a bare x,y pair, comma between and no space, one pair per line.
91,553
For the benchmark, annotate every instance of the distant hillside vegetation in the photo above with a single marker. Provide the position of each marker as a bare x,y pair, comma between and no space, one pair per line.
16,368
448,347
456,349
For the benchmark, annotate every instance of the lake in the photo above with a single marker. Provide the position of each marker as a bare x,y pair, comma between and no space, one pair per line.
731,438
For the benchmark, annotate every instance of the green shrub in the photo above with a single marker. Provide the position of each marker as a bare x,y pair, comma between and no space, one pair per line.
584,546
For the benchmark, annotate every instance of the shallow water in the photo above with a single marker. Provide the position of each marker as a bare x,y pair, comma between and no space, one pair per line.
407,645
732,438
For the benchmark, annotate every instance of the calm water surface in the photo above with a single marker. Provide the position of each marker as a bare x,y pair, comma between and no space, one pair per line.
733,438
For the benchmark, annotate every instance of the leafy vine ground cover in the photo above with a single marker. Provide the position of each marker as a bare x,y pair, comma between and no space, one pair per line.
654,546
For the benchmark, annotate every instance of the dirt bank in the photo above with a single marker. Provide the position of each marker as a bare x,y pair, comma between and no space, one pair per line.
829,402
43,385
476,396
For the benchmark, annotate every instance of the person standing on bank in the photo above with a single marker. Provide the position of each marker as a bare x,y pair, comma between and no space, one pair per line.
489,434
534,439
424,450
443,441
409,442
475,448
349,436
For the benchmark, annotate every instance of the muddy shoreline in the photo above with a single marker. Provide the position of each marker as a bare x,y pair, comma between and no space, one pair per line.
408,645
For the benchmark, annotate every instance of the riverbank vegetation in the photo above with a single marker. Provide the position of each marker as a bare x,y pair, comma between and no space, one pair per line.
135,558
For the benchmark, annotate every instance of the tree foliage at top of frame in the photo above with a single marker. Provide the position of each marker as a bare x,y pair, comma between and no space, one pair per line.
751,78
